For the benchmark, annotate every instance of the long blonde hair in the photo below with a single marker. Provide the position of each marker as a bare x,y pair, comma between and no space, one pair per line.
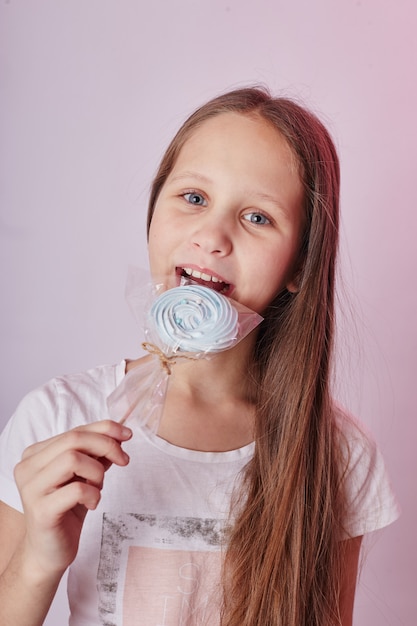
282,565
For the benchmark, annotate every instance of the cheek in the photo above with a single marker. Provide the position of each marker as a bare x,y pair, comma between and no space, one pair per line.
156,246
154,225
157,234
270,275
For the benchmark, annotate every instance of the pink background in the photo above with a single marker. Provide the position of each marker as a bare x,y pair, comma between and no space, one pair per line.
91,91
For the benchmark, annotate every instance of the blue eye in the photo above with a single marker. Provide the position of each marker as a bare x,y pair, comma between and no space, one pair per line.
256,218
195,198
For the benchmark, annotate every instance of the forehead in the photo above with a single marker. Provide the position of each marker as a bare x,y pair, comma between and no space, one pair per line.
237,125
238,136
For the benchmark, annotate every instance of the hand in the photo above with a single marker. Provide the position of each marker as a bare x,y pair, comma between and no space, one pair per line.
59,480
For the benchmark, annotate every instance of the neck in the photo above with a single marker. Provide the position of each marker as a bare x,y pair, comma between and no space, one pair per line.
217,376
209,401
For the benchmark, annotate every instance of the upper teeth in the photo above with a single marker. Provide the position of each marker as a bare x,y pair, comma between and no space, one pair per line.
202,275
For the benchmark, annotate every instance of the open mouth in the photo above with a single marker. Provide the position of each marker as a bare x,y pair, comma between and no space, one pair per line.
202,278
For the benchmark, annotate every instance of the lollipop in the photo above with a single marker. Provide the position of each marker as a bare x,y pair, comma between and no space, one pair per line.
186,322
193,318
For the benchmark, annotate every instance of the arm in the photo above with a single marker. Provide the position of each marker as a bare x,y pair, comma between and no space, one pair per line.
349,578
22,594
59,481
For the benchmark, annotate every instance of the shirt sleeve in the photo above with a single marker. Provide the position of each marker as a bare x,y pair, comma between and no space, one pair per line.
35,419
60,404
371,503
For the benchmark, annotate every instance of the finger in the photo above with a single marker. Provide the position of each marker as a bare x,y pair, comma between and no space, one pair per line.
65,457
76,493
104,427
52,508
108,427
72,465
91,442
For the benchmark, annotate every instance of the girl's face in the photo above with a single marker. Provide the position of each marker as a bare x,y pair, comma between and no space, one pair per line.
230,212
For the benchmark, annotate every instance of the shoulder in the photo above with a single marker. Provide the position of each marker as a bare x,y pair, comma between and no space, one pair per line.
66,401
355,441
370,501
85,391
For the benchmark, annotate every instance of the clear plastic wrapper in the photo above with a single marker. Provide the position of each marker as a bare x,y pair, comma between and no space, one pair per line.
190,321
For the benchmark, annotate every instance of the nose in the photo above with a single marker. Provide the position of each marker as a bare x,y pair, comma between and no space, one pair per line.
213,236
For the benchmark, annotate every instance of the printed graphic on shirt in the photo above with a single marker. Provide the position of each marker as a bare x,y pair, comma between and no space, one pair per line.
159,571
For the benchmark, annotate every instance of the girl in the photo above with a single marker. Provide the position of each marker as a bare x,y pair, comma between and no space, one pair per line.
248,506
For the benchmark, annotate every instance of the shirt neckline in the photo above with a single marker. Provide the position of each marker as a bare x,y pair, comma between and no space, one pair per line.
245,452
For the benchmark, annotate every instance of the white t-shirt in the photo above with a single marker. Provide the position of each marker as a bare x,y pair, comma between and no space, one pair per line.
151,552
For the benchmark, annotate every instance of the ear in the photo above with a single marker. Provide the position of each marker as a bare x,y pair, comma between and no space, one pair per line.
292,286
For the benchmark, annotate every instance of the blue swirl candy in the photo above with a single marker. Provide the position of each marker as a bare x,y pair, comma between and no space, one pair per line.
193,318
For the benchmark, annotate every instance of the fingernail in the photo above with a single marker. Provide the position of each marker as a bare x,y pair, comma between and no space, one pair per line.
126,432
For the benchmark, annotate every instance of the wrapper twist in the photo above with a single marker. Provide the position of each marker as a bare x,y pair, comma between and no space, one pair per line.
194,318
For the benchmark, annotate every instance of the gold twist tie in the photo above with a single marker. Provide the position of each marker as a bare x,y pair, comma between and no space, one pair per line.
166,361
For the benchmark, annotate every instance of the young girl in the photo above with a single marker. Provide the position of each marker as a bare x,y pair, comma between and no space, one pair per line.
248,505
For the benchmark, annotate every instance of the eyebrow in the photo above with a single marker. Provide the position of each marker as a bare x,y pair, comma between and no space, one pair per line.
190,174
